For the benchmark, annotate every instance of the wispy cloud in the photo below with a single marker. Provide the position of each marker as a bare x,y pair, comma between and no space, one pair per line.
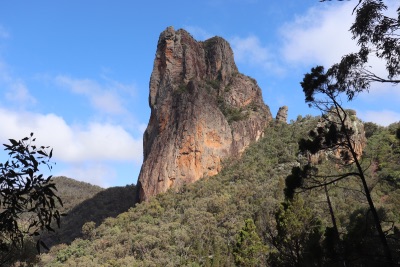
198,33
86,151
380,91
106,98
18,93
4,34
250,51
322,36
15,90
382,117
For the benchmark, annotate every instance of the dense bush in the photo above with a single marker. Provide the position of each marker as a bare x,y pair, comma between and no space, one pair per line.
199,225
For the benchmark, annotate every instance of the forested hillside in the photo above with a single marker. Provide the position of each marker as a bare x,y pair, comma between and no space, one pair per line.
240,216
82,203
86,203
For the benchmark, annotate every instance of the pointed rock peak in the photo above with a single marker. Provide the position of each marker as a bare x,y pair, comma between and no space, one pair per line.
181,59
220,56
202,111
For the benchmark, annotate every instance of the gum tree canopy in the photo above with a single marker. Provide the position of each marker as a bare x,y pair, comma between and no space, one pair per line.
27,199
377,35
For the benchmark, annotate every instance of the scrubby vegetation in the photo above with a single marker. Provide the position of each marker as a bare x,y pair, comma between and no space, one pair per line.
84,206
241,213
88,203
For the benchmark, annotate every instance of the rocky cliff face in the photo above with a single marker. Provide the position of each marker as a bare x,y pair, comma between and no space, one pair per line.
202,111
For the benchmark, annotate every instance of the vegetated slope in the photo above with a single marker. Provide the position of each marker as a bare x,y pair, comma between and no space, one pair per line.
200,224
103,204
73,192
82,203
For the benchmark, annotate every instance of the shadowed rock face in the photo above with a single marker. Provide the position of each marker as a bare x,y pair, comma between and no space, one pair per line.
282,114
202,111
357,137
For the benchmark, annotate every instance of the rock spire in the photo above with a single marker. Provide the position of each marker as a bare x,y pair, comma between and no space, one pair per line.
202,111
282,114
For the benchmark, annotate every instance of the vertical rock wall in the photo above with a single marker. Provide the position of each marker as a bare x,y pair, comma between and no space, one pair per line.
202,111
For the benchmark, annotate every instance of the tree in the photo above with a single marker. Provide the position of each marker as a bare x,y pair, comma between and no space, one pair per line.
321,91
88,230
296,241
27,199
376,35
249,250
360,239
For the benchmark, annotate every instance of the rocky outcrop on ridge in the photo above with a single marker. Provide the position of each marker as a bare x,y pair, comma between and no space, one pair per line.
202,111
358,139
282,114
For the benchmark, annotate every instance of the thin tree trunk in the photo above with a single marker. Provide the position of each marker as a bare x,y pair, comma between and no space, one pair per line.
375,216
341,252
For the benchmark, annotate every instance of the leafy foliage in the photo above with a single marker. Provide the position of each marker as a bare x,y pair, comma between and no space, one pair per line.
102,204
376,35
322,92
28,203
249,250
297,237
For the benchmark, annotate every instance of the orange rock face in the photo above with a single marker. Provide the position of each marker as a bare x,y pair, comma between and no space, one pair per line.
202,111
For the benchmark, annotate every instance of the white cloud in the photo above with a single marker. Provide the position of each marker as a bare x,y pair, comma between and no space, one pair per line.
94,141
250,51
105,98
383,117
321,36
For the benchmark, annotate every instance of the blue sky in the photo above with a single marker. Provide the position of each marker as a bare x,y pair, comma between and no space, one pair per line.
76,73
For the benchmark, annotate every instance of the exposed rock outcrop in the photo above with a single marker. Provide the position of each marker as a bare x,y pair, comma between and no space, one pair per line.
202,111
282,114
357,136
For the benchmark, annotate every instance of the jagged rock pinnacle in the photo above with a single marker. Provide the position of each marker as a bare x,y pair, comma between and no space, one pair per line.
202,111
282,114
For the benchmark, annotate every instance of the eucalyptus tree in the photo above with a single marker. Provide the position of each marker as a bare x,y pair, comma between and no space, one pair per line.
28,202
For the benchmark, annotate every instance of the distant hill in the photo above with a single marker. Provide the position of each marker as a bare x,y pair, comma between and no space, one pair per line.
73,192
83,203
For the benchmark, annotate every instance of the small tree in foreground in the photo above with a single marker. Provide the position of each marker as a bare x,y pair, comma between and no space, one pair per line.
27,199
